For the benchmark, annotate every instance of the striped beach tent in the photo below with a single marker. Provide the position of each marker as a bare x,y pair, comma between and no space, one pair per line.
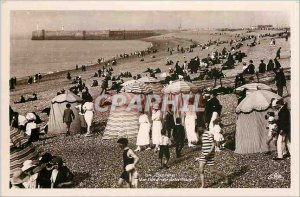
58,105
251,133
121,122
20,150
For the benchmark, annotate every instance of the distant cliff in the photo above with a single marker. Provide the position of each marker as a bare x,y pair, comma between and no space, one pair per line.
92,35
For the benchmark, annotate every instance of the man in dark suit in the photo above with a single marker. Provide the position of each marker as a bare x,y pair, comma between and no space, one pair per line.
262,67
212,105
284,128
251,68
169,121
280,81
179,137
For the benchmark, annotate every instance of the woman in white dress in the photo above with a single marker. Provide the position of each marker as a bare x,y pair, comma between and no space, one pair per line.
88,107
190,126
156,127
143,138
81,117
213,117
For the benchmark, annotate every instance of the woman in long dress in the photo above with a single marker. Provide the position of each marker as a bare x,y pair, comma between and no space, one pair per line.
88,107
213,117
83,124
190,126
156,127
143,138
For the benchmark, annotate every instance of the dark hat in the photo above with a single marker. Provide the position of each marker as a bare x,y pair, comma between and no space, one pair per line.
57,160
46,157
123,141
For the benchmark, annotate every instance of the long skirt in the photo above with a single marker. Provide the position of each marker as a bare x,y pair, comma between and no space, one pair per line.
156,132
143,137
88,116
190,124
82,121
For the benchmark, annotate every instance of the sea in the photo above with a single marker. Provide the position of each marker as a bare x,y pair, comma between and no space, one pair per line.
28,57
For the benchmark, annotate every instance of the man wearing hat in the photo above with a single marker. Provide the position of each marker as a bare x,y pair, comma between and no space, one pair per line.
212,105
262,67
44,177
251,68
61,176
280,81
284,129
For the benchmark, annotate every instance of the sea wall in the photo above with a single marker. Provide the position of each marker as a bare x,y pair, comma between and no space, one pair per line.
92,35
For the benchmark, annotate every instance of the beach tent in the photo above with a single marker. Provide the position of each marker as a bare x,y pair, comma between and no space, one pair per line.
251,133
122,122
58,105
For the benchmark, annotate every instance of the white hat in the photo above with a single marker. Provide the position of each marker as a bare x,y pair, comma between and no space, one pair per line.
16,178
271,119
27,165
129,167
30,116
274,103
156,106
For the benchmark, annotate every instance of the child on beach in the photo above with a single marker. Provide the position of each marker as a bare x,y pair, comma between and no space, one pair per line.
164,149
273,131
129,177
217,132
68,117
208,157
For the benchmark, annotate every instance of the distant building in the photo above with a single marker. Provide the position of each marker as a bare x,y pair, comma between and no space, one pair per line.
264,27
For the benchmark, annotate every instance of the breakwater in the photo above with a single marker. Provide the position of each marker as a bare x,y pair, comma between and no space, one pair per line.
92,35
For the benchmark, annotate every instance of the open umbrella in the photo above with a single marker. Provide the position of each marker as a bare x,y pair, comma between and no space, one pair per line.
148,80
254,86
258,101
180,87
128,82
137,88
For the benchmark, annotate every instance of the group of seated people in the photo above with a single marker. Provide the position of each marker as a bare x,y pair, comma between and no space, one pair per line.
46,172
30,98
27,124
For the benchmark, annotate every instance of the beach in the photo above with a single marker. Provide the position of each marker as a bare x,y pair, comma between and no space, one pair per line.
248,171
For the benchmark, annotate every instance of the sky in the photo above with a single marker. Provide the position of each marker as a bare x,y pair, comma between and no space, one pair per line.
24,22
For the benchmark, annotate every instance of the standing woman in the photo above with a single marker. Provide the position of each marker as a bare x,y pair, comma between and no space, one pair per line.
88,107
190,125
143,138
81,117
156,127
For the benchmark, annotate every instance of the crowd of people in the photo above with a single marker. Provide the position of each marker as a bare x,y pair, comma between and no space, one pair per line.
46,172
157,130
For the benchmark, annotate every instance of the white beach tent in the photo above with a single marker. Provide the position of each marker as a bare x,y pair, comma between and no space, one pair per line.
251,133
58,105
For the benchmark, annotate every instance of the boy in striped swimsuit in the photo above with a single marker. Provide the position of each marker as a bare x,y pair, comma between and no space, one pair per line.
208,156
